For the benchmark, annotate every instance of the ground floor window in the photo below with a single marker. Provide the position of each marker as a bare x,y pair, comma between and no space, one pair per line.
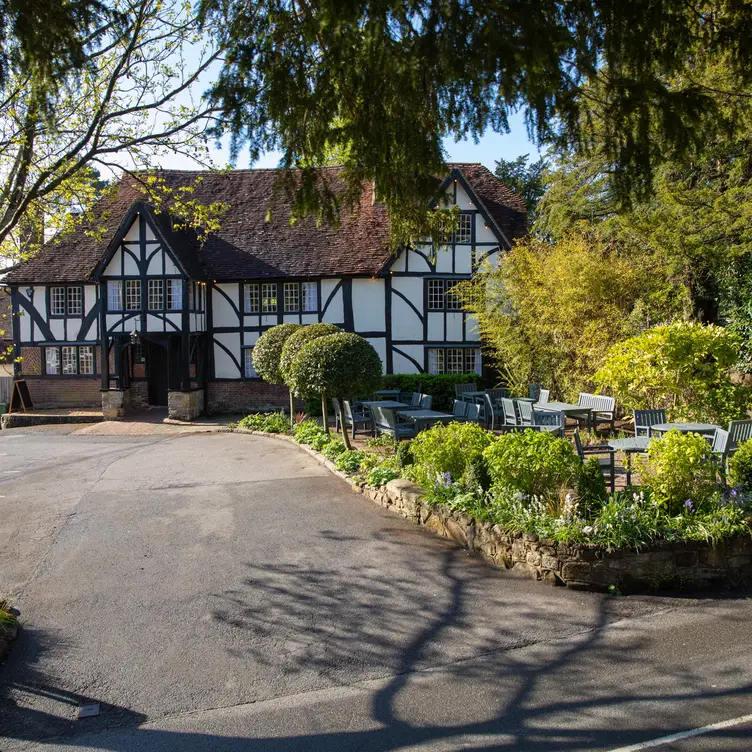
454,360
69,360
248,370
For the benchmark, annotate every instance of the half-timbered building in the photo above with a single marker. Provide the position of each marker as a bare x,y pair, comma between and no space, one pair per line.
134,311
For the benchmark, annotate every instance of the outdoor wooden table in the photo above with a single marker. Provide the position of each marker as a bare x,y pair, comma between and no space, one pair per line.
421,417
569,410
631,445
685,427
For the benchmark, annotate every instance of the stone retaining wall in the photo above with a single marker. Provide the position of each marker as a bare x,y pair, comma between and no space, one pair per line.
689,564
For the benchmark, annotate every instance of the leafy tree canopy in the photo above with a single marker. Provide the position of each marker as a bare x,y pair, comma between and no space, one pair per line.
295,343
384,81
525,179
267,352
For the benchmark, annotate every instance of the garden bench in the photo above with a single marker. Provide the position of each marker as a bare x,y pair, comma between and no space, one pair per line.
607,463
645,419
739,431
602,408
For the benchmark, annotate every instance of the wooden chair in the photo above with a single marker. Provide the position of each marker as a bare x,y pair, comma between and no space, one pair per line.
426,400
415,399
602,408
510,412
644,419
490,412
473,413
525,411
384,421
549,420
355,417
460,389
720,448
607,463
543,396
335,405
739,431
497,395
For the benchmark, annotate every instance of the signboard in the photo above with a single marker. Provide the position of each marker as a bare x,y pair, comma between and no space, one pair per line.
20,397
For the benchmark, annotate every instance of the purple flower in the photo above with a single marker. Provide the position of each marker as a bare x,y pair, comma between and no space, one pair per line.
447,479
688,505
634,518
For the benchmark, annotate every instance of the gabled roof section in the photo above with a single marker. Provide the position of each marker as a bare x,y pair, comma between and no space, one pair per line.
249,243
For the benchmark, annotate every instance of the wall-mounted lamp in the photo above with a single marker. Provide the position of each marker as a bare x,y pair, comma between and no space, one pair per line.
30,292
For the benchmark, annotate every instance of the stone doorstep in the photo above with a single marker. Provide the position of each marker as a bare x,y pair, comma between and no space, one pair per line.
24,420
579,567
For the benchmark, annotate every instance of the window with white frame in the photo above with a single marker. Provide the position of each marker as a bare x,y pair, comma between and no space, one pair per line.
248,370
464,231
75,301
435,294
269,297
454,360
174,294
57,301
114,295
156,294
132,294
292,296
86,360
453,303
309,295
251,298
70,364
52,361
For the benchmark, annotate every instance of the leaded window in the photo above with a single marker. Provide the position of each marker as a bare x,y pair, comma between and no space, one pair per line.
309,294
464,231
269,297
114,295
453,303
251,298
174,294
75,301
156,294
52,361
86,360
435,294
57,301
132,294
292,296
248,370
454,360
70,365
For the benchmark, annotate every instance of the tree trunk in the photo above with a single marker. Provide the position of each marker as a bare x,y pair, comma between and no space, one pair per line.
292,408
324,420
345,433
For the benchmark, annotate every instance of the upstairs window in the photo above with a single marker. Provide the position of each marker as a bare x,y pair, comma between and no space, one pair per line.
464,231
269,297
251,298
67,301
132,295
156,294
174,294
114,295
441,296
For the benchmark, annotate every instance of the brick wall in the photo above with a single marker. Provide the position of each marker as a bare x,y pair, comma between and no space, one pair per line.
54,392
245,396
139,395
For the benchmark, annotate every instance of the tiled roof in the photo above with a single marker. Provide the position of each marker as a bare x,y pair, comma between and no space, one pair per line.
250,244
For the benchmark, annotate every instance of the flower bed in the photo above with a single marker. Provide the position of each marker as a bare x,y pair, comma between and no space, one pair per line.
524,501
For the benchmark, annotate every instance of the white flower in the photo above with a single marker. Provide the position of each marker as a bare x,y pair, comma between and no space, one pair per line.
587,529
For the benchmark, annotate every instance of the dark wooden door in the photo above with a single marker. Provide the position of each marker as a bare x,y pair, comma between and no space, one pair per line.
157,374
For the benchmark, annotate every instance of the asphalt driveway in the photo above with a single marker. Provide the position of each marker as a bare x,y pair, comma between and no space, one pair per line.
217,591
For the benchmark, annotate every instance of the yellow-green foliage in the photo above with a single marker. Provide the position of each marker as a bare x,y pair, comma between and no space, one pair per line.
679,471
682,367
550,312
740,467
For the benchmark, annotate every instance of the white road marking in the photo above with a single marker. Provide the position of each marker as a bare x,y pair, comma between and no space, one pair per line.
687,734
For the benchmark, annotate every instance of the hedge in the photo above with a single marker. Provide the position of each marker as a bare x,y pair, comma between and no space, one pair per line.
441,387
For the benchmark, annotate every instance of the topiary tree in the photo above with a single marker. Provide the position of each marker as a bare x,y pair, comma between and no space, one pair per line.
267,353
293,345
342,365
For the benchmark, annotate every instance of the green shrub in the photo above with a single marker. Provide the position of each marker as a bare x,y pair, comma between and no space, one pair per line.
333,449
536,464
439,386
349,461
383,473
446,450
267,422
477,475
682,367
680,472
297,341
368,462
740,466
307,430
591,487
267,352
320,440
384,445
405,454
